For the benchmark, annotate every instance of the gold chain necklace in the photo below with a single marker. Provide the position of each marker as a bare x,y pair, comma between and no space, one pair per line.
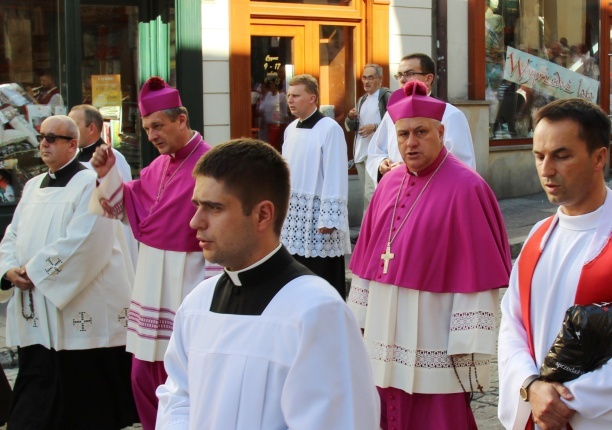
387,256
163,186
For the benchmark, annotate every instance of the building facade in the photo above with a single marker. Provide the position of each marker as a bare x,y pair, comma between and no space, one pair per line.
498,61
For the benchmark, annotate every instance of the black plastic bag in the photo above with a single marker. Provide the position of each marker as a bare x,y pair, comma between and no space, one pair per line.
583,344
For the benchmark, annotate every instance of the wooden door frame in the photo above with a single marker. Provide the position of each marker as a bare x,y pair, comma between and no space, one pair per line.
295,31
370,18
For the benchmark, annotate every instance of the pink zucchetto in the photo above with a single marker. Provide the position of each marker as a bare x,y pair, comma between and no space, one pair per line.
157,95
412,101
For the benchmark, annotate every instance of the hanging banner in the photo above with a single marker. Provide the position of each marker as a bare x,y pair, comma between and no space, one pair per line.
105,90
547,77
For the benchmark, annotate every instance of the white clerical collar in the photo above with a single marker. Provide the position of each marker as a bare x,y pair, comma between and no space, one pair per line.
188,142
313,112
233,275
52,175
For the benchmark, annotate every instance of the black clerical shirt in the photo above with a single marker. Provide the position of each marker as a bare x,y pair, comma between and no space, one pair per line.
63,175
86,153
259,285
310,122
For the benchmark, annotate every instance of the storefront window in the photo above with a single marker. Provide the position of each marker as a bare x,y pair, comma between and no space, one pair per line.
537,51
120,51
271,59
109,74
31,88
336,76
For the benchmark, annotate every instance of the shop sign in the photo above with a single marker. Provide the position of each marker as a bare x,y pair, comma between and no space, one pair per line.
105,90
547,77
272,66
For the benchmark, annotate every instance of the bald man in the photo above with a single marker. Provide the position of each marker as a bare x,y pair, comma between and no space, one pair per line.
68,285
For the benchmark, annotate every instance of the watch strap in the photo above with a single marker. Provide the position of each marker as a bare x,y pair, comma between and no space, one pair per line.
525,387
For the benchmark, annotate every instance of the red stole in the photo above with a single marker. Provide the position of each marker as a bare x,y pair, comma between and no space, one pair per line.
593,285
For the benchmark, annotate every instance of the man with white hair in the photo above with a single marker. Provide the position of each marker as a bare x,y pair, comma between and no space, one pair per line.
364,119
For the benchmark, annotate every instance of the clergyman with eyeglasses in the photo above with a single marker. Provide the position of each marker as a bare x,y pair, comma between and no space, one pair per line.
383,152
68,286
364,119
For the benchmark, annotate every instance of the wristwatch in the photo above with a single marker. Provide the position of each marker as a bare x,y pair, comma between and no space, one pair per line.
524,391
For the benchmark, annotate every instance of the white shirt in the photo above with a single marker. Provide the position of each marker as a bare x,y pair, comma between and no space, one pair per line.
55,102
368,114
274,108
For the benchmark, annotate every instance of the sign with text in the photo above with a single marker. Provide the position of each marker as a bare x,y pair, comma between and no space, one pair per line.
272,66
105,90
547,77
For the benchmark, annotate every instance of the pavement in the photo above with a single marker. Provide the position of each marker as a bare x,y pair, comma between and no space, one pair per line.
520,214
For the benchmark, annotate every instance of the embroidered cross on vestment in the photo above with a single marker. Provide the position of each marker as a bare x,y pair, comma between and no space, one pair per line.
84,319
53,266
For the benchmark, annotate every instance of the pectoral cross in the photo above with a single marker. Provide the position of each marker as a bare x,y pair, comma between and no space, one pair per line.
387,256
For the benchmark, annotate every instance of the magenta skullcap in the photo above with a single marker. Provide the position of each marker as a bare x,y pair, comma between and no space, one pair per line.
157,95
412,101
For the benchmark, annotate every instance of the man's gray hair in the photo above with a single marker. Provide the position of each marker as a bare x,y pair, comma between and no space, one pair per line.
376,67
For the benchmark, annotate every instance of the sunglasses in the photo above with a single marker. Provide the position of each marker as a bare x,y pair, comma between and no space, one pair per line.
51,137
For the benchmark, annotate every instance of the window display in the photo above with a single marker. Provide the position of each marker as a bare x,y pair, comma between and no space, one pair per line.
30,89
537,51
19,156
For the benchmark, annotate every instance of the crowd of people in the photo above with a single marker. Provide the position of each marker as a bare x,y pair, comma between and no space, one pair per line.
210,293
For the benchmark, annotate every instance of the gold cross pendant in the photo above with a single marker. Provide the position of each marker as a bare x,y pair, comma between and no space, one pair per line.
387,256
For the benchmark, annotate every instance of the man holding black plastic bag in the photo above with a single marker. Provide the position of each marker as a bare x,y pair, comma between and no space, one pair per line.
566,260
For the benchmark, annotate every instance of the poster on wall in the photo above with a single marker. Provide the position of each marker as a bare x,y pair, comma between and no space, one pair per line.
105,90
547,77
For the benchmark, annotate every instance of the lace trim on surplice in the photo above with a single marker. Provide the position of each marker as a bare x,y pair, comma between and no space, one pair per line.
477,320
358,296
426,359
306,214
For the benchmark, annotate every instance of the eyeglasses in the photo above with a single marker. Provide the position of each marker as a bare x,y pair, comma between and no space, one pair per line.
369,78
410,74
51,137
